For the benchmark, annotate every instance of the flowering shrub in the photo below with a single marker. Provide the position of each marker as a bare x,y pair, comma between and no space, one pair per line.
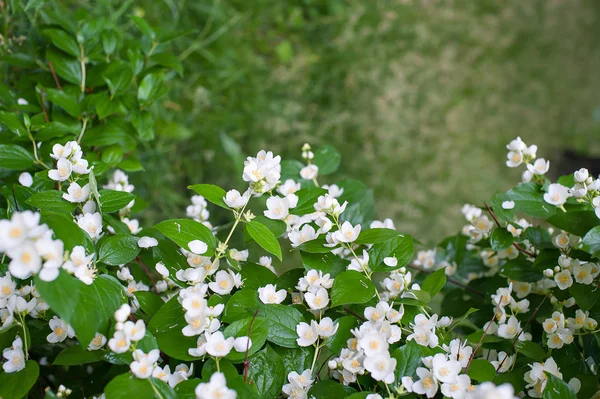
94,305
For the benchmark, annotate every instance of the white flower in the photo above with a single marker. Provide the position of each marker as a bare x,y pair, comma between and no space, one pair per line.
514,159
445,370
327,328
557,194
235,200
488,390
309,172
25,179
457,389
135,331
318,300
216,388
308,334
583,274
510,329
200,349
76,193
91,224
299,237
581,175
563,279
526,176
508,204
119,343
539,167
240,256
381,367
97,342
217,345
196,324
516,145
194,304
197,247
277,208
348,233
63,170
143,364
162,269
60,330
242,344
122,314
15,357
223,283
373,343
25,261
147,242
288,187
427,385
269,294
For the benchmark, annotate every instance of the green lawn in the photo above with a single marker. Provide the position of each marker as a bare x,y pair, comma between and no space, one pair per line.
419,96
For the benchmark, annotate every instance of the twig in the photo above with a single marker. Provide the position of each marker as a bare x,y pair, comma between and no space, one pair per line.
520,332
44,106
54,75
147,271
450,280
347,310
247,362
517,246
483,335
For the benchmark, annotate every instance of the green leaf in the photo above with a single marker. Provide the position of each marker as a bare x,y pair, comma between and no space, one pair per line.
434,282
242,304
400,247
295,359
529,199
65,66
113,200
109,41
496,205
67,230
182,231
531,350
325,262
327,389
374,236
268,373
500,239
17,385
351,287
76,355
481,370
112,155
520,269
14,123
118,77
166,326
577,220
556,388
144,27
118,249
211,193
263,237
327,159
51,200
340,339
151,88
143,123
307,197
256,276
68,102
282,321
62,40
585,296
591,241
87,308
408,357
168,60
127,386
94,188
240,328
149,302
15,157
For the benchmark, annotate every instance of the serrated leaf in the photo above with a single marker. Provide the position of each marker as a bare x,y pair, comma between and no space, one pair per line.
351,287
118,249
51,200
264,237
529,199
113,200
282,321
15,157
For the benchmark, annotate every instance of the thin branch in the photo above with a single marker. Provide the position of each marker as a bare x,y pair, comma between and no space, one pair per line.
54,75
44,106
520,332
347,310
147,271
483,335
517,246
247,362
451,280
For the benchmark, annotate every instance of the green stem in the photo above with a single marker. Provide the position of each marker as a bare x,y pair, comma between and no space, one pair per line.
82,62
317,348
217,360
35,154
23,325
85,121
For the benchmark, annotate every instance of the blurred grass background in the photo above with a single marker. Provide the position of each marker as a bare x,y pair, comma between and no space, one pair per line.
420,97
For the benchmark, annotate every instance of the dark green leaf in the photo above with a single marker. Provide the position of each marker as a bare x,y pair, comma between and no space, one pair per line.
144,27
62,40
127,386
118,249
591,241
327,159
340,339
15,157
256,276
51,200
500,239
268,373
585,296
13,123
481,370
351,287
374,236
166,326
434,282
211,193
242,304
325,262
307,197
143,123
113,200
240,328
264,237
76,355
183,231
529,199
282,321
149,302
65,66
531,350
17,385
520,269
408,357
556,388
